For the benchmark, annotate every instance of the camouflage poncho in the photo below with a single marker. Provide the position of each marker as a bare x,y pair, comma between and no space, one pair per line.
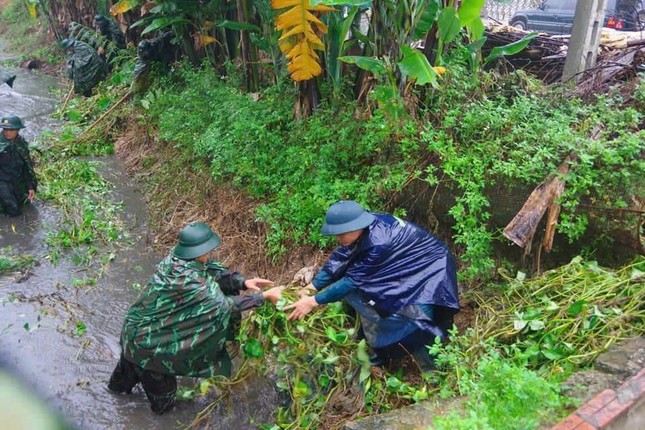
16,167
113,33
180,323
85,67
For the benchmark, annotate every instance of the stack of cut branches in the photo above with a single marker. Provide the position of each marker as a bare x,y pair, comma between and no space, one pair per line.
543,57
613,66
619,57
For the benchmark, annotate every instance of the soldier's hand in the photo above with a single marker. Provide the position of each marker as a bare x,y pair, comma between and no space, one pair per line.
273,294
254,284
301,308
31,195
307,291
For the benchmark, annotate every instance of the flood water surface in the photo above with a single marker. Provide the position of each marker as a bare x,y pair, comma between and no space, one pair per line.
59,332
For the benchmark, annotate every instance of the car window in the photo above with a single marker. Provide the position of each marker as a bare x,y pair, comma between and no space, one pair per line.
554,4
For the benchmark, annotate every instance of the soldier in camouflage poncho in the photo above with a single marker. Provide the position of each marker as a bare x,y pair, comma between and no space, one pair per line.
17,178
110,30
84,66
180,323
158,50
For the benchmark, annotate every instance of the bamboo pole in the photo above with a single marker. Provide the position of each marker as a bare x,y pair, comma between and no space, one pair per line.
69,95
117,104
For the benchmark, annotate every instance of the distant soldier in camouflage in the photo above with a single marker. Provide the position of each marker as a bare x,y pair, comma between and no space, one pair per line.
159,50
110,30
84,66
182,320
17,178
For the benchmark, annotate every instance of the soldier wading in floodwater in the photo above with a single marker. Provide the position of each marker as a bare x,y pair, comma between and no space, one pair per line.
17,178
183,318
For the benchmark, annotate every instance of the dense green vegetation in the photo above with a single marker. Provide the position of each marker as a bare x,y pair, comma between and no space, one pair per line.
480,135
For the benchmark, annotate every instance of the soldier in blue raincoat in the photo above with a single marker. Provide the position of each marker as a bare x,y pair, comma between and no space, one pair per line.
400,279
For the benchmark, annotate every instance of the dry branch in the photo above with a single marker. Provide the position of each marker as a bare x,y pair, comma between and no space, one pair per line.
523,226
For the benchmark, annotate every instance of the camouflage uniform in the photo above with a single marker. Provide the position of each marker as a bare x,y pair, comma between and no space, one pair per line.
157,50
179,326
110,30
17,175
85,67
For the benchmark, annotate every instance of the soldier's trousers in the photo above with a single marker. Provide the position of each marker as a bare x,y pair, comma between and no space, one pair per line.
160,388
9,202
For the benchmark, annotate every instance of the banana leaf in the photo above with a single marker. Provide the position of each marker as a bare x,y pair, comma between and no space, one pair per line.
415,65
510,49
370,64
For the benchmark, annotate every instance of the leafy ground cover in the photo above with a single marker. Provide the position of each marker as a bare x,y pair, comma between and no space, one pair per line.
10,262
508,366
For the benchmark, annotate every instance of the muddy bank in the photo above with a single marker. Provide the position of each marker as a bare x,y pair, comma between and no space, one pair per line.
180,190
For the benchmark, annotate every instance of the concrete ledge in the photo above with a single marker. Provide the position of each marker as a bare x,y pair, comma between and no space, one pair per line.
620,409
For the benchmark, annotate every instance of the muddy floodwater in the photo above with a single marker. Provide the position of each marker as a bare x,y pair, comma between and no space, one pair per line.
42,309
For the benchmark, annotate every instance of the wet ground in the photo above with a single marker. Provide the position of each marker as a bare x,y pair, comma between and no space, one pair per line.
60,335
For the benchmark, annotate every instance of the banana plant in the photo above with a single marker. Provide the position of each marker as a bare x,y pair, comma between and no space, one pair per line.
413,65
302,30
337,40
444,23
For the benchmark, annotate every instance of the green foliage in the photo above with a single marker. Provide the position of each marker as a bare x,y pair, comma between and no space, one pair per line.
569,315
309,359
494,140
89,218
298,168
318,365
488,132
501,392
504,396
11,263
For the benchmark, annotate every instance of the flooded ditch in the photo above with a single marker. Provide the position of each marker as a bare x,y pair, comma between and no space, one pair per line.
60,323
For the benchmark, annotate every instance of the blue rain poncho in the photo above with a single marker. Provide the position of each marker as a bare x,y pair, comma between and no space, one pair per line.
400,271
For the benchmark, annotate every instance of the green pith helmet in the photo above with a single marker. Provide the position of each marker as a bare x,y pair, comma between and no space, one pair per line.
345,216
67,43
11,122
195,240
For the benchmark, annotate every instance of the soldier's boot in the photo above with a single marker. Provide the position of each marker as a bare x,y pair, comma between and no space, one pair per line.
124,377
8,202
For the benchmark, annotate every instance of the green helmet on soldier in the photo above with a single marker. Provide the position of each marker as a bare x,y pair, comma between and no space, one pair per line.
67,43
195,240
11,122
